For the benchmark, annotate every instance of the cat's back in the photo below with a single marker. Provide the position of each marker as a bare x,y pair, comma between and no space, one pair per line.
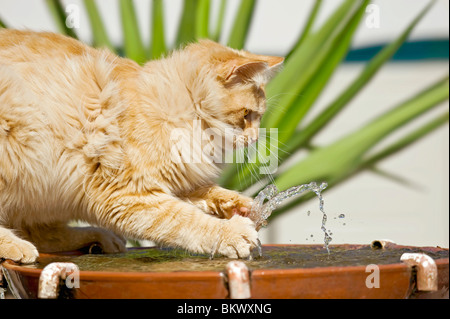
29,46
51,89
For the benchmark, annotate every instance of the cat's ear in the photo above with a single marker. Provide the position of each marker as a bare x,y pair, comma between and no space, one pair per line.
263,69
275,66
248,70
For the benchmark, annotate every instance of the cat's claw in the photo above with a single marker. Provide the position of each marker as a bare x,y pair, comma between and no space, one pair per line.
243,211
239,237
240,205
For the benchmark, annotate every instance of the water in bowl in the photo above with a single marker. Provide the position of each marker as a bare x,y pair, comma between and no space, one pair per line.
274,257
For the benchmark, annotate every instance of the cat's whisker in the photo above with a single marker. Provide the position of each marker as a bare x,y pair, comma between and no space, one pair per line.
263,167
269,148
240,171
266,135
269,100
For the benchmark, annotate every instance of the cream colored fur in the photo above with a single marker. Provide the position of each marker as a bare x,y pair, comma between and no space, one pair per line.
84,135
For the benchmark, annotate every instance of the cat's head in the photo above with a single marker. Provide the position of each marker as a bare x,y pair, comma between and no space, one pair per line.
235,82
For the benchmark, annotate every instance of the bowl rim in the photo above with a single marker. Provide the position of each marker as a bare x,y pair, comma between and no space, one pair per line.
87,275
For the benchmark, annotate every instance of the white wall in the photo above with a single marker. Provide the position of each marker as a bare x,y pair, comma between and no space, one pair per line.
375,207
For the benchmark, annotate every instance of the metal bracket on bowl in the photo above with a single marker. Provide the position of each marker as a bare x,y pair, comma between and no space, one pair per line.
238,280
51,276
427,272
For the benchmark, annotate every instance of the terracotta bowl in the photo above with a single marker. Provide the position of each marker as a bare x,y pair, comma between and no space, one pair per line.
397,280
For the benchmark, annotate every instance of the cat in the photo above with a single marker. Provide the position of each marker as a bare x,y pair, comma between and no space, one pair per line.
85,135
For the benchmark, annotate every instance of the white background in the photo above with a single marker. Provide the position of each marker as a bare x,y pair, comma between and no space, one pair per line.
375,208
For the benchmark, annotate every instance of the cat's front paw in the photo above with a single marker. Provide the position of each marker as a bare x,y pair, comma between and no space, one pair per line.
239,237
236,204
18,250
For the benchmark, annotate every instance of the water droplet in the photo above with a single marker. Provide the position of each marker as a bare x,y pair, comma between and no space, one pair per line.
341,216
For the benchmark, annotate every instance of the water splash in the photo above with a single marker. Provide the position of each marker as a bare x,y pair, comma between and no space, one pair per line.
261,211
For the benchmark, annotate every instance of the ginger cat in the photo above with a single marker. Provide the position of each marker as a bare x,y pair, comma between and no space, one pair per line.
85,135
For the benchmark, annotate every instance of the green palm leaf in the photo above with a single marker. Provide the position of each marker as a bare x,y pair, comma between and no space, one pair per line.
158,47
2,24
406,141
242,23
307,29
187,28
133,46
100,36
202,25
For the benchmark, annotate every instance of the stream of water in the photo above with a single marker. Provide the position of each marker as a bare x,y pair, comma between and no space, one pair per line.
271,198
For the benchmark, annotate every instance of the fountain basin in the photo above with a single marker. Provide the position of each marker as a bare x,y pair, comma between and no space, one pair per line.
284,272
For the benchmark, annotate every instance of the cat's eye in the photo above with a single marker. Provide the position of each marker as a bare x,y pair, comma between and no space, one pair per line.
246,112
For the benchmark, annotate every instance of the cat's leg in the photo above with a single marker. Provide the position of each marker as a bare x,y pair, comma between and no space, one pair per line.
59,237
14,248
170,221
221,202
